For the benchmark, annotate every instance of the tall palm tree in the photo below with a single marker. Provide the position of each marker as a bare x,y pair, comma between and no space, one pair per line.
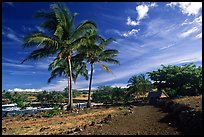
95,52
62,38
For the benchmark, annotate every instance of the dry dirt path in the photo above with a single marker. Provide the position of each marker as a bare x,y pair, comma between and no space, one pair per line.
145,120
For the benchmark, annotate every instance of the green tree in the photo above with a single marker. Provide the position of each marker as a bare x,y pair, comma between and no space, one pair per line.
62,40
103,94
178,80
138,84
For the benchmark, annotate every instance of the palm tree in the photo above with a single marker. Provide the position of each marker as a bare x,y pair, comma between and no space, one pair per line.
62,39
94,52
138,85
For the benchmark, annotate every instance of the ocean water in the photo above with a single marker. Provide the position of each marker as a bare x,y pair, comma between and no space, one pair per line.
12,109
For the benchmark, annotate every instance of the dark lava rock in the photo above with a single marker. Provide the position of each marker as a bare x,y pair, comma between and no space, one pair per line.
92,123
77,129
44,128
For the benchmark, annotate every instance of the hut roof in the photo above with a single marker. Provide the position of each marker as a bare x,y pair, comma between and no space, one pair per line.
157,94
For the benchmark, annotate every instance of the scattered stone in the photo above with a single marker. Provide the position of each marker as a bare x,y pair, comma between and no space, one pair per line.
99,126
92,123
78,129
60,122
4,129
85,126
109,116
26,127
44,128
26,119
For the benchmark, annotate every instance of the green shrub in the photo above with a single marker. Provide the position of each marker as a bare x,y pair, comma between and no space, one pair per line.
52,112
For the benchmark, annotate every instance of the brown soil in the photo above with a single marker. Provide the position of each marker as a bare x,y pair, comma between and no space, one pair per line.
145,120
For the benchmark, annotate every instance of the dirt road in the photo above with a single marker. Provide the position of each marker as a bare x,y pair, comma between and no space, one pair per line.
145,120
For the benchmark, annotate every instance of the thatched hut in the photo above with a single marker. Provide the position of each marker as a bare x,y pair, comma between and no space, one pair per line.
153,95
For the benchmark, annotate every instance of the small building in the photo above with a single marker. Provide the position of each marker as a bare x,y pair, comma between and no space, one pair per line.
153,95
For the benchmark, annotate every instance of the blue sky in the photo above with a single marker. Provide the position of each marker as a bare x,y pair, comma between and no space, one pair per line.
147,34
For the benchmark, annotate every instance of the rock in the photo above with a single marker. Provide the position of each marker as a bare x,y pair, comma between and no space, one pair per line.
78,129
4,129
60,122
92,123
99,126
109,116
26,119
85,126
27,127
44,128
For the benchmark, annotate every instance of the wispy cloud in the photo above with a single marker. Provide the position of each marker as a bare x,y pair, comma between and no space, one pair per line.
40,29
16,65
194,27
132,22
189,32
132,32
189,8
199,35
162,48
11,34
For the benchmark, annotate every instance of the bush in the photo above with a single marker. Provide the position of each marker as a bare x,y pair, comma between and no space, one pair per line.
52,112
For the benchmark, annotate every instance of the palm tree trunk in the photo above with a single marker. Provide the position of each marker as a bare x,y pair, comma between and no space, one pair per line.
70,101
89,96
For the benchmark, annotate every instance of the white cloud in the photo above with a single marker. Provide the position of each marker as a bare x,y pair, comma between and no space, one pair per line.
131,22
119,85
142,11
123,34
194,26
130,33
153,4
199,35
189,8
189,32
24,90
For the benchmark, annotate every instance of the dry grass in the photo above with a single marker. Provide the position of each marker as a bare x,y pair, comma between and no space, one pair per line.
54,125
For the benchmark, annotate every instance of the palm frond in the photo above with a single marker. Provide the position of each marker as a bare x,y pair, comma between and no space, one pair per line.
83,27
105,67
59,32
37,54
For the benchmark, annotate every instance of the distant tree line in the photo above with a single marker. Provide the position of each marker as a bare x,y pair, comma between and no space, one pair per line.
175,80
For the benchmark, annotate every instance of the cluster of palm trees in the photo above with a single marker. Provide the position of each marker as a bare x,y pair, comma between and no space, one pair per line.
73,47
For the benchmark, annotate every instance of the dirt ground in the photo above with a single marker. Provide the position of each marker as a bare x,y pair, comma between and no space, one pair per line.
129,120
145,120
